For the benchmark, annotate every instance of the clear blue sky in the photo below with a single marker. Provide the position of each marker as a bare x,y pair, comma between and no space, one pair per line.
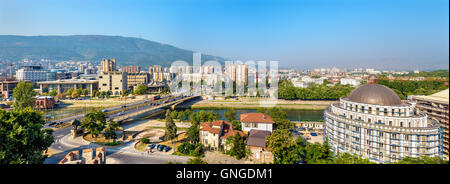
405,34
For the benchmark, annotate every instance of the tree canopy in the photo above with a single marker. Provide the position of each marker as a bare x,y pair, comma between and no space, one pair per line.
24,96
23,141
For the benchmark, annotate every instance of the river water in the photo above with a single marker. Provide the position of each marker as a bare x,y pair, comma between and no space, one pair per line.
292,114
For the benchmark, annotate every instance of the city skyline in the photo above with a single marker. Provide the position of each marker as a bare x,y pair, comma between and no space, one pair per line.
302,34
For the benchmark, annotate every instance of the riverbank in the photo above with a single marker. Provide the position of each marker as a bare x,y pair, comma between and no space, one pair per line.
251,104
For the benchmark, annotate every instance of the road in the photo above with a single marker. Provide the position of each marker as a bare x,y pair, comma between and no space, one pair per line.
123,154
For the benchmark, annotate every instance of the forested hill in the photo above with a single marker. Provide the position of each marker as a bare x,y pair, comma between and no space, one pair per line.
127,50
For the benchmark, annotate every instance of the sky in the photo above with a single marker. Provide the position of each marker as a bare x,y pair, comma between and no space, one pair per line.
383,34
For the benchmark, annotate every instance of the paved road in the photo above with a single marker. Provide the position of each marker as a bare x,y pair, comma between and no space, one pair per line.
125,154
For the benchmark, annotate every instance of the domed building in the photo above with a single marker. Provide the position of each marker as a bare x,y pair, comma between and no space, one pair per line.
374,123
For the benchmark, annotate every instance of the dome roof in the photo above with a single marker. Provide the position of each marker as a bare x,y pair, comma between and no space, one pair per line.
374,94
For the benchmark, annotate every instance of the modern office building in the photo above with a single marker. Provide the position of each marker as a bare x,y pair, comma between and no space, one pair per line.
374,123
135,79
115,82
436,107
32,73
61,86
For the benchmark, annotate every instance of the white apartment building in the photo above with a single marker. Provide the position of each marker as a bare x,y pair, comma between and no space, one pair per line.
374,123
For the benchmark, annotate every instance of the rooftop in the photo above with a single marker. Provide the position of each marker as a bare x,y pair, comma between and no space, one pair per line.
374,94
440,97
256,117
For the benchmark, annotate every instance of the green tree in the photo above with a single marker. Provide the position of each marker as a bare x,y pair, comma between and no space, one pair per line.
94,122
230,114
421,160
125,93
238,148
347,158
23,141
84,92
193,132
53,93
237,124
171,127
110,131
283,147
75,94
196,160
141,89
24,96
69,92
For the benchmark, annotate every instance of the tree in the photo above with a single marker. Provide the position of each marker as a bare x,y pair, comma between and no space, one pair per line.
193,133
53,93
24,96
283,147
237,149
110,131
75,94
196,160
125,93
141,89
347,158
94,122
230,115
23,141
237,124
171,128
317,153
69,92
421,160
85,92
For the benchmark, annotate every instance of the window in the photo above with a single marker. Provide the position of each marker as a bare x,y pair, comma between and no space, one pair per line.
401,124
390,123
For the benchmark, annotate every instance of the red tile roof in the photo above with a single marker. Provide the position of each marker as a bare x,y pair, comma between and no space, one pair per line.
256,117
228,129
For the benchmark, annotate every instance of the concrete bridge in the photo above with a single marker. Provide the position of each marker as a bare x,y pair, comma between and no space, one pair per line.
157,107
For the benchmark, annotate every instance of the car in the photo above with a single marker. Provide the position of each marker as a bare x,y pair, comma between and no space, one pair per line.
313,134
105,110
120,113
151,146
167,148
51,123
161,148
124,106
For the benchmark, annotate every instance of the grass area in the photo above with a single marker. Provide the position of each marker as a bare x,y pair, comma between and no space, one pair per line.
101,140
140,146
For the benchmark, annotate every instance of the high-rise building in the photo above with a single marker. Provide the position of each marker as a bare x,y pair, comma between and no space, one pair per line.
131,69
436,107
135,79
156,73
109,65
237,73
374,123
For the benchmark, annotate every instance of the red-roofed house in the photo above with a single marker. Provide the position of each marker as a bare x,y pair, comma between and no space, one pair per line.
213,134
256,121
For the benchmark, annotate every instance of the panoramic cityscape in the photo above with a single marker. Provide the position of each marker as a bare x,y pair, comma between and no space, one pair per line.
78,95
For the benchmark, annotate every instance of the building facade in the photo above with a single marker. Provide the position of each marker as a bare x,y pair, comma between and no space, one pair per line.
131,69
135,79
374,123
7,86
32,73
214,134
256,121
109,65
115,82
436,107
61,86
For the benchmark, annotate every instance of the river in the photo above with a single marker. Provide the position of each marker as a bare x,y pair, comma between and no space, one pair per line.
292,114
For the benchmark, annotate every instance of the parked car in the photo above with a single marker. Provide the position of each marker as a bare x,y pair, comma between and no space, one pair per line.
151,146
161,148
167,148
105,110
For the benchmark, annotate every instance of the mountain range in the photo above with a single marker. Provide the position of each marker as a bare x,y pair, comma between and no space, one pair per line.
127,50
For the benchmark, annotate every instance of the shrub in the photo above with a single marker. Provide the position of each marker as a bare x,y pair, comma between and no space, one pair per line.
145,141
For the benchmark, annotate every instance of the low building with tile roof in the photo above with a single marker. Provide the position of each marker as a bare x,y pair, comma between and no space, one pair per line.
256,121
214,134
